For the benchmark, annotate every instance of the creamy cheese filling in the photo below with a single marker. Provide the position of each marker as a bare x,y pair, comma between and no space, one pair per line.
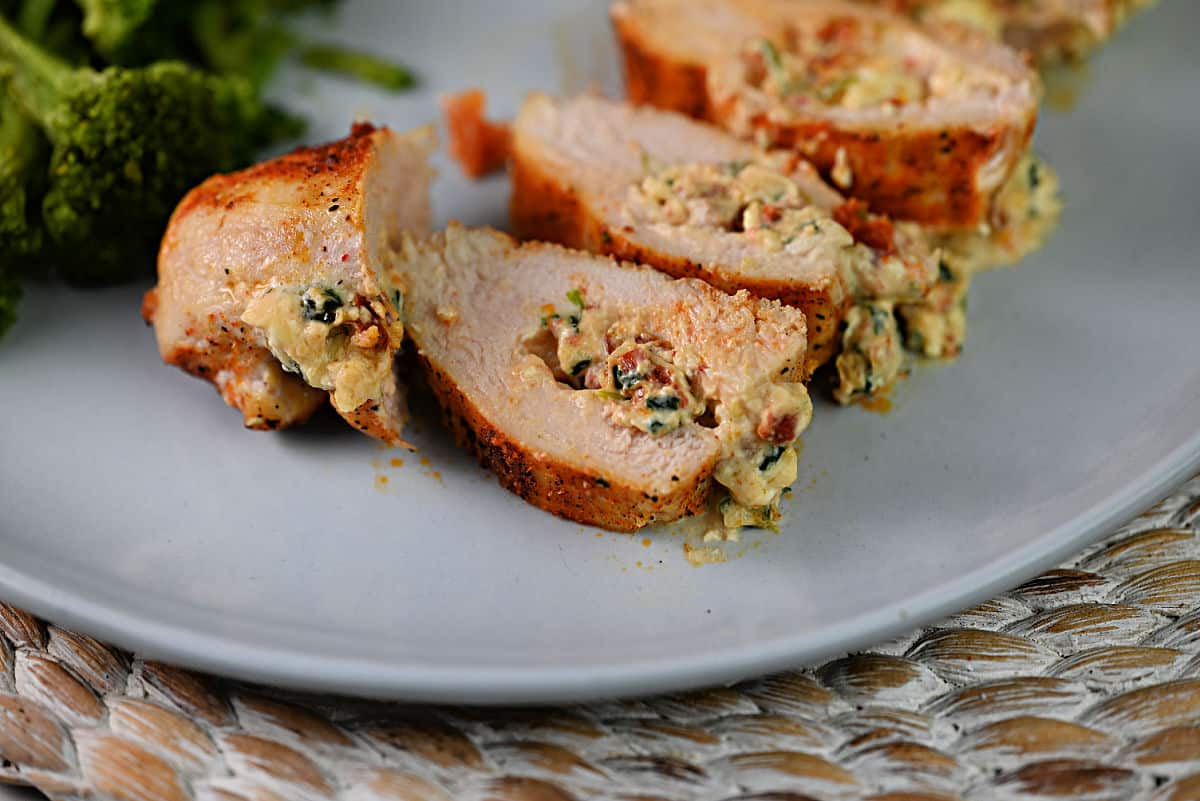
655,387
647,379
982,15
760,201
1024,213
753,198
1051,29
871,355
937,326
853,63
333,339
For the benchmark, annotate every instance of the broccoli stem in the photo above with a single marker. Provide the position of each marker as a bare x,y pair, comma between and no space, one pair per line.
19,239
19,156
354,64
35,17
36,77
10,298
22,168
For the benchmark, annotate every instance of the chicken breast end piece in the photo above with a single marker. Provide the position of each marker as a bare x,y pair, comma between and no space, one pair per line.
273,280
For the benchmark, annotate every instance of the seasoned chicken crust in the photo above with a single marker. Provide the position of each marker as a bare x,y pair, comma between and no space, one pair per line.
484,312
937,159
272,281
1051,30
657,188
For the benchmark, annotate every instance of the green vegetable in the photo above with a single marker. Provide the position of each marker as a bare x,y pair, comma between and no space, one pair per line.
625,380
662,402
111,23
771,455
321,309
787,83
834,88
125,145
247,38
110,110
772,58
576,297
10,296
363,66
880,318
21,153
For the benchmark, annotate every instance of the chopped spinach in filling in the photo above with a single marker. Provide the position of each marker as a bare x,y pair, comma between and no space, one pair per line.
871,354
652,386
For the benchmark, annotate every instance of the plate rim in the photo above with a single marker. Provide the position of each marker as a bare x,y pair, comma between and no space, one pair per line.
382,679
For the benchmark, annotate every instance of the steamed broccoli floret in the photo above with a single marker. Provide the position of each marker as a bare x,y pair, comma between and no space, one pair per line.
125,145
21,175
111,23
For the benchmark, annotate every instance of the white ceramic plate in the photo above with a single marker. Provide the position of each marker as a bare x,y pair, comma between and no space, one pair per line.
135,507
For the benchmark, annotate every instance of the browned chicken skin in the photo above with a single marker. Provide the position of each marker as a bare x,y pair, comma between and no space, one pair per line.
608,394
924,127
689,199
272,281
1050,30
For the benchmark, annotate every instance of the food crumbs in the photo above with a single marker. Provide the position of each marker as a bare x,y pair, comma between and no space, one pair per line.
646,542
381,480
878,404
703,556
425,461
396,462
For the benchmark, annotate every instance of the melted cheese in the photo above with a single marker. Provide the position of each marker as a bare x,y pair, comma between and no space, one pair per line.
856,64
747,197
1024,214
871,355
937,326
758,200
655,388
332,343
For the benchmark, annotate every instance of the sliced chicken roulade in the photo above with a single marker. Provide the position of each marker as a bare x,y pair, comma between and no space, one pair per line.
272,282
1051,30
690,200
924,126
608,394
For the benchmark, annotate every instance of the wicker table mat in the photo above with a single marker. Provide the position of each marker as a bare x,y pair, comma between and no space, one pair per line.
1084,682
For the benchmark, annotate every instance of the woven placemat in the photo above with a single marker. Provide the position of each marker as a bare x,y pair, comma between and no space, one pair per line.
1082,683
